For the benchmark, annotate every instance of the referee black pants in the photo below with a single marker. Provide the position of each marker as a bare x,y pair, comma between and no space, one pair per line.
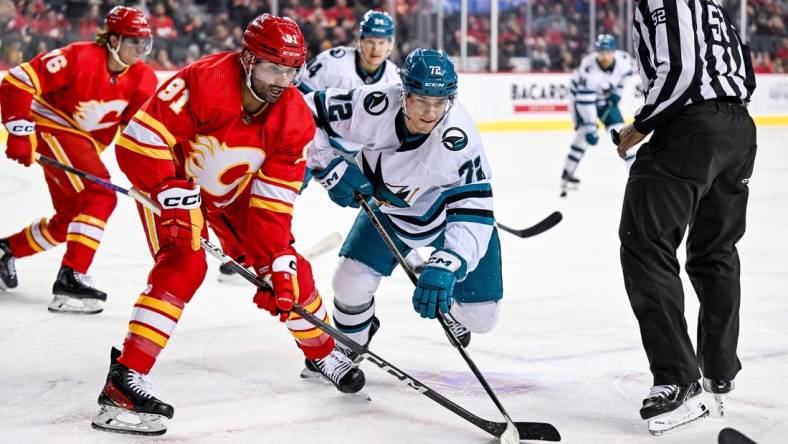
693,172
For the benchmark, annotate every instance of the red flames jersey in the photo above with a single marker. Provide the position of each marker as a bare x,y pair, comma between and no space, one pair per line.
249,167
71,89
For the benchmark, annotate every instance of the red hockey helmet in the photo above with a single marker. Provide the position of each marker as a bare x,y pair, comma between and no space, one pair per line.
275,39
127,22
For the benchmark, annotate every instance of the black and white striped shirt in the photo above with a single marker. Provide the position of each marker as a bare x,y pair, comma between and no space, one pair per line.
688,52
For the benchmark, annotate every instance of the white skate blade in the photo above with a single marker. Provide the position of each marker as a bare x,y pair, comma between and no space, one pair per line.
719,405
690,411
118,420
318,378
566,187
66,304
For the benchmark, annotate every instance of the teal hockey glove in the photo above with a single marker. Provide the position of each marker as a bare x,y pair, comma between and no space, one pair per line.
342,180
436,283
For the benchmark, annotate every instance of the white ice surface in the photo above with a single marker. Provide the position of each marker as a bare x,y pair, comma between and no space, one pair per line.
566,351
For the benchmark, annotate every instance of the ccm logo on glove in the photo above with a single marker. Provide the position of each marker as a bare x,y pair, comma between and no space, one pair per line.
332,179
21,127
175,198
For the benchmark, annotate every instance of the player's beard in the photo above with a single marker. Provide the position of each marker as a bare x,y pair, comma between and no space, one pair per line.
269,92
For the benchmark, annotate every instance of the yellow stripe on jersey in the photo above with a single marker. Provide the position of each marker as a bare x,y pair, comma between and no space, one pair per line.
272,206
42,226
126,143
308,334
33,244
33,76
148,334
314,305
95,221
158,304
19,84
150,226
156,125
295,185
74,125
84,240
76,182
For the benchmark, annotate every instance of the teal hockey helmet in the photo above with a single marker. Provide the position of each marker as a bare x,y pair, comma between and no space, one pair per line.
606,42
376,24
429,72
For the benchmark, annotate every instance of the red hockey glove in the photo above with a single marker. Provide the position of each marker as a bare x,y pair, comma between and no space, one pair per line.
21,143
281,275
181,219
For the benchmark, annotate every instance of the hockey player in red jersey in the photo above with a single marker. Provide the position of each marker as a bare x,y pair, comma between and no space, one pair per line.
68,104
223,139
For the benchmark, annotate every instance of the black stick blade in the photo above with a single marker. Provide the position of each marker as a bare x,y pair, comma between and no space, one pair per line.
733,436
541,431
546,223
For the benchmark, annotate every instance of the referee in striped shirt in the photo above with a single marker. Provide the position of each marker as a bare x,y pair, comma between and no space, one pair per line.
697,77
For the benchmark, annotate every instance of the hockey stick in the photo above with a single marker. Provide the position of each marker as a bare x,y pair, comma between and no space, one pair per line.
733,436
511,433
526,430
538,228
322,246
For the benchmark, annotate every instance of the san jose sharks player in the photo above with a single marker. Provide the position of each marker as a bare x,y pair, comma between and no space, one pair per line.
366,64
595,93
415,152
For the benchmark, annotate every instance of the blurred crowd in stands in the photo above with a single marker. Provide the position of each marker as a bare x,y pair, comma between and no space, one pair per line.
547,35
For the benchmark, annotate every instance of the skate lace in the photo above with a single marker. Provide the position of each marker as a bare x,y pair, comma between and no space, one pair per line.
335,365
662,391
139,384
84,280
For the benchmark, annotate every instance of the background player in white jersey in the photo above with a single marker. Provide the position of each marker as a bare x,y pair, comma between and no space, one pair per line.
366,64
596,91
422,160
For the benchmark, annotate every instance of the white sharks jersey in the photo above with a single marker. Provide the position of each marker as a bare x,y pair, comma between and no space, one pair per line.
340,68
592,85
426,184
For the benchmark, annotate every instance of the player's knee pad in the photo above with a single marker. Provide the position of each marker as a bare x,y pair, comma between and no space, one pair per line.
478,317
354,282
179,271
579,140
97,201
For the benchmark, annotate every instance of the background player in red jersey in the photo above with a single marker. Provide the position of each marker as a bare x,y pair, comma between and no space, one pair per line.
68,104
223,140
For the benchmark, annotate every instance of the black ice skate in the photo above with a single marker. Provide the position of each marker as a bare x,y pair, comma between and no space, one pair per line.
7,267
719,388
126,405
355,357
458,330
669,407
337,369
74,293
568,183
